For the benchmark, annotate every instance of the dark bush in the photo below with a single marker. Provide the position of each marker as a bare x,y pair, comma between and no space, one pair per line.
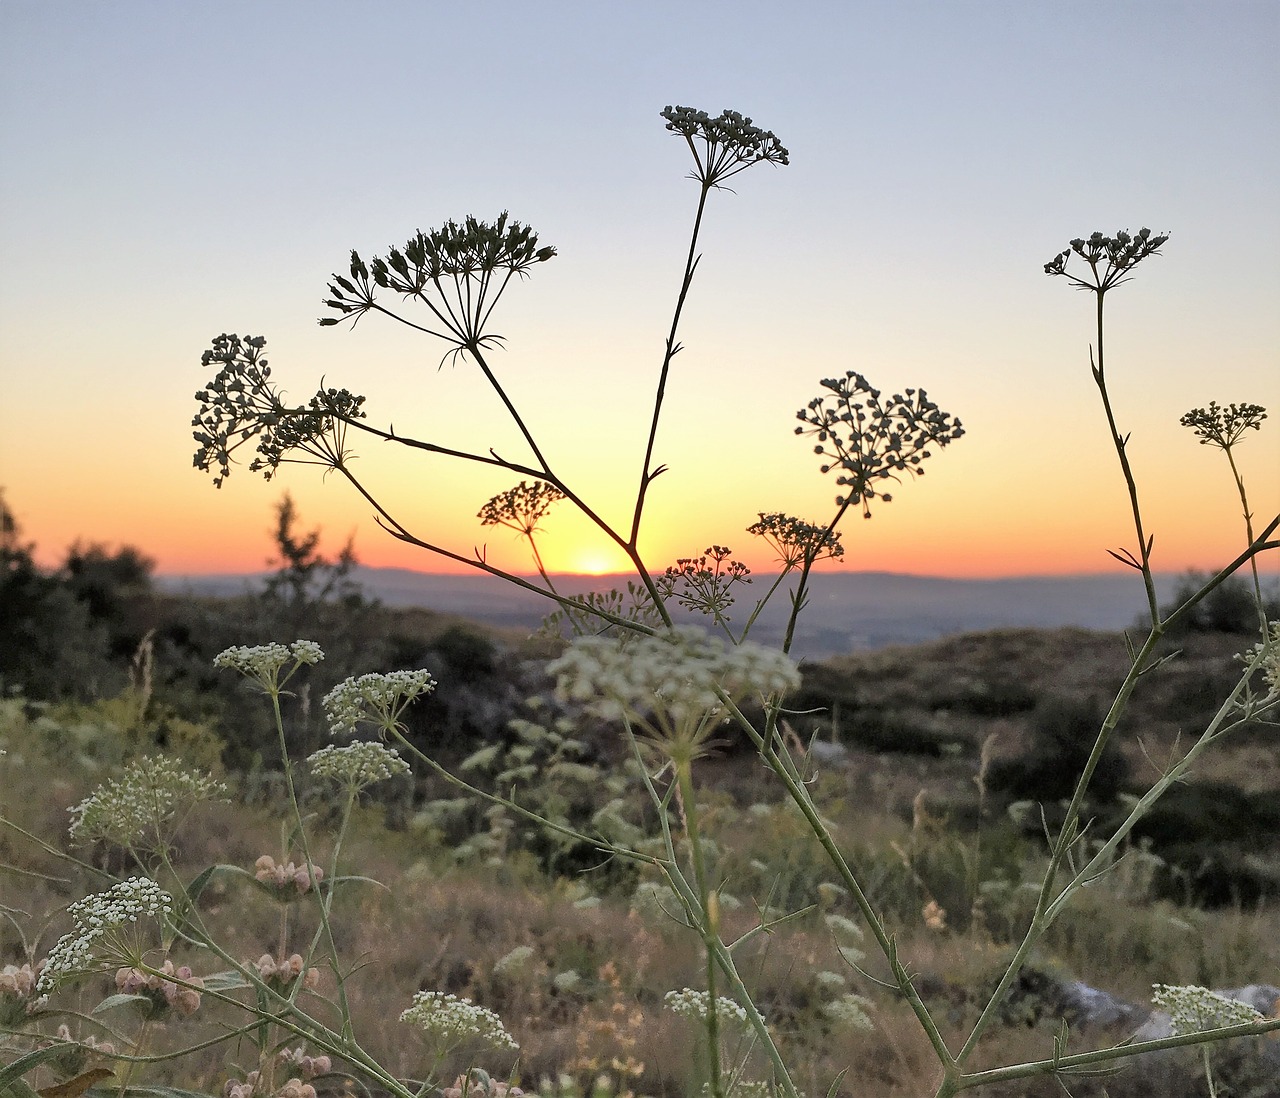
1063,731
994,697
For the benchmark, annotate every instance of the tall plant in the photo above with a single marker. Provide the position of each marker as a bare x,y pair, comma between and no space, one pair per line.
669,688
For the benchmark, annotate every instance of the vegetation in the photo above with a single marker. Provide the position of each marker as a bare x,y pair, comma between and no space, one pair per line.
588,895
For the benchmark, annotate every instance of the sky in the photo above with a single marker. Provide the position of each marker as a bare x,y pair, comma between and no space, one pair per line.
169,172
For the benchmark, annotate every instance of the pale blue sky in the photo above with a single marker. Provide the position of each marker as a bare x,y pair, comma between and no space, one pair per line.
169,171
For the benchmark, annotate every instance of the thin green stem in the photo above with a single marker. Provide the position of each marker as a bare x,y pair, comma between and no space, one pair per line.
1120,443
1248,528
707,927
647,473
322,905
779,761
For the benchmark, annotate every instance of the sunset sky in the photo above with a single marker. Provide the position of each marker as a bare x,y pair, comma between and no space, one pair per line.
172,171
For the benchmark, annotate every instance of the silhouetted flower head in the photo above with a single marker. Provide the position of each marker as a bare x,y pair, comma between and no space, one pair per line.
1109,258
1224,427
520,508
724,145
705,583
795,540
458,271
871,440
241,405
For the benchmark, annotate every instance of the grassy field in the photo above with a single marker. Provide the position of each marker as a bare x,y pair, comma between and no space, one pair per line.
926,763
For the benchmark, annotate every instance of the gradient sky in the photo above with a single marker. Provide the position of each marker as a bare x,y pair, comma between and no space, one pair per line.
172,171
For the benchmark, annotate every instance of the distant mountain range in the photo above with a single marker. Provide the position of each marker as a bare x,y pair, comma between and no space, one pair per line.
847,611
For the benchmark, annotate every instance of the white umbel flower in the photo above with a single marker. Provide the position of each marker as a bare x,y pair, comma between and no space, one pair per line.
104,924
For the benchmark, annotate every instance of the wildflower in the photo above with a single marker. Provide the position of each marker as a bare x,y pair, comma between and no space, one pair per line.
566,982
182,995
520,508
1194,1009
849,1011
17,993
725,145
797,542
289,881
678,677
377,699
1109,258
105,924
706,586
1269,651
264,662
244,1088
477,1083
692,1004
358,765
1224,427
842,927
451,1020
141,803
450,270
514,962
282,974
242,404
872,440
308,1067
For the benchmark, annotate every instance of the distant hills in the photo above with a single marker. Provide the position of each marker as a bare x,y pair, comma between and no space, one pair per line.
847,611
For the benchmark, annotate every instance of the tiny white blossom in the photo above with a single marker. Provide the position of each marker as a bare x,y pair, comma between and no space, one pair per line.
692,1004
99,919
849,1011
1194,1009
141,802
452,1020
374,699
1269,650
357,765
264,662
679,676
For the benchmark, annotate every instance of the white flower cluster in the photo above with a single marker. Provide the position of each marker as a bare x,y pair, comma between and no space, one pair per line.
374,699
95,918
138,804
693,1005
357,765
1270,652
514,962
678,672
1194,1009
264,662
849,1011
451,1020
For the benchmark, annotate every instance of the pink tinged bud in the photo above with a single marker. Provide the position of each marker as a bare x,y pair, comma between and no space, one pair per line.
186,1002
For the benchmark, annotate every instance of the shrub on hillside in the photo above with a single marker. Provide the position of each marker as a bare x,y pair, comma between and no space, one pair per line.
1062,734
